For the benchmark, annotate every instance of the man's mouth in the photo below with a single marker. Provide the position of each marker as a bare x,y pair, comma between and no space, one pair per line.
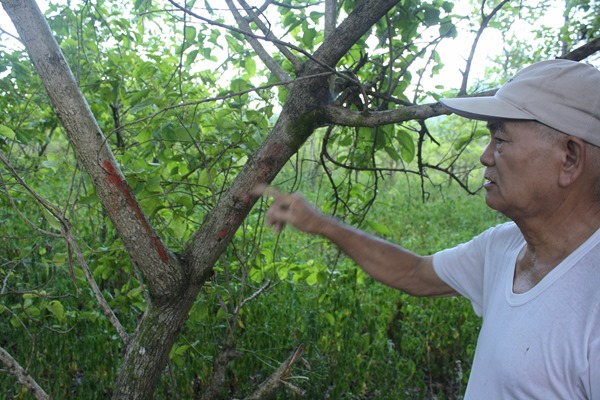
489,182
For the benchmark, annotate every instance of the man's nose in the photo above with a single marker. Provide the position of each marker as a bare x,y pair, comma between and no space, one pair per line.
487,157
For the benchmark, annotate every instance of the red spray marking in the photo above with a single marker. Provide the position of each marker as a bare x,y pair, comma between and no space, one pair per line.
115,180
221,234
265,165
274,150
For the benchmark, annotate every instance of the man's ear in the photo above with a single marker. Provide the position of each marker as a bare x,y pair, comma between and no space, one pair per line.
573,162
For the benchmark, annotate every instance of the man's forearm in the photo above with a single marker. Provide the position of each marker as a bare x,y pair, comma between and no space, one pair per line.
384,261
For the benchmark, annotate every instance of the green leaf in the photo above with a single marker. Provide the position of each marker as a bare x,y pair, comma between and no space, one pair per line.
448,29
234,44
7,132
392,152
330,318
142,105
447,6
178,227
52,220
322,277
282,273
312,279
56,308
431,16
379,228
407,145
52,162
309,37
250,66
182,349
138,5
257,274
135,293
190,33
465,139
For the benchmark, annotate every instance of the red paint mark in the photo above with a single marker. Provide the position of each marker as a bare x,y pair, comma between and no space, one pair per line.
268,161
274,150
221,234
115,180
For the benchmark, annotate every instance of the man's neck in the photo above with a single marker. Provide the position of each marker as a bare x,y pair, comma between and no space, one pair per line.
550,239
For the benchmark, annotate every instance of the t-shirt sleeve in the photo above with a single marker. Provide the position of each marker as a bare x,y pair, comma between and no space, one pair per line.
462,267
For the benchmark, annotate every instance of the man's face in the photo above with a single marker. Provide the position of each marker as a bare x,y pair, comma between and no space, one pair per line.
521,168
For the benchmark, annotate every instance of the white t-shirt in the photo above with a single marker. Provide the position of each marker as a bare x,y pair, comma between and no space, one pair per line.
543,344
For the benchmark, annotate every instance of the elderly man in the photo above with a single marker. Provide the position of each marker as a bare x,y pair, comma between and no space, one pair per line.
536,280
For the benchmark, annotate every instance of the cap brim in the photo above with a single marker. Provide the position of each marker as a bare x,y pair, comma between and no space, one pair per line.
484,108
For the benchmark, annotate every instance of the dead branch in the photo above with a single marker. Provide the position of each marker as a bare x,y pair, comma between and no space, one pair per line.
279,378
21,374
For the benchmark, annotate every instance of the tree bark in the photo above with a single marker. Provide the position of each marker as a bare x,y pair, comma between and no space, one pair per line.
148,351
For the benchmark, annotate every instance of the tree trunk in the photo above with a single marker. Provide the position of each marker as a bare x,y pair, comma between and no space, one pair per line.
148,351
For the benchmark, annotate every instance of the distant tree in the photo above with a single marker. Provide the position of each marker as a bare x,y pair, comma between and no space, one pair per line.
174,111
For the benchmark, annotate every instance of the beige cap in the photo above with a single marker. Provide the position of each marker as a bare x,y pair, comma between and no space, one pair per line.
562,94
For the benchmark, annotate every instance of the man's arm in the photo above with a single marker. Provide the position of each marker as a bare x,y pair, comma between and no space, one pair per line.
384,261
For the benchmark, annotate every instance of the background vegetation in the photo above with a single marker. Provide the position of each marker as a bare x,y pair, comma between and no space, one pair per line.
362,340
178,103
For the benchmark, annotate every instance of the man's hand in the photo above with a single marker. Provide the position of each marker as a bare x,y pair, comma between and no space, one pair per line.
291,209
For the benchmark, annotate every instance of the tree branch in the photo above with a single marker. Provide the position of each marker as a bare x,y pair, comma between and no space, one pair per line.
220,98
584,51
485,20
97,292
345,117
330,17
360,20
244,32
21,374
267,32
260,51
7,33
